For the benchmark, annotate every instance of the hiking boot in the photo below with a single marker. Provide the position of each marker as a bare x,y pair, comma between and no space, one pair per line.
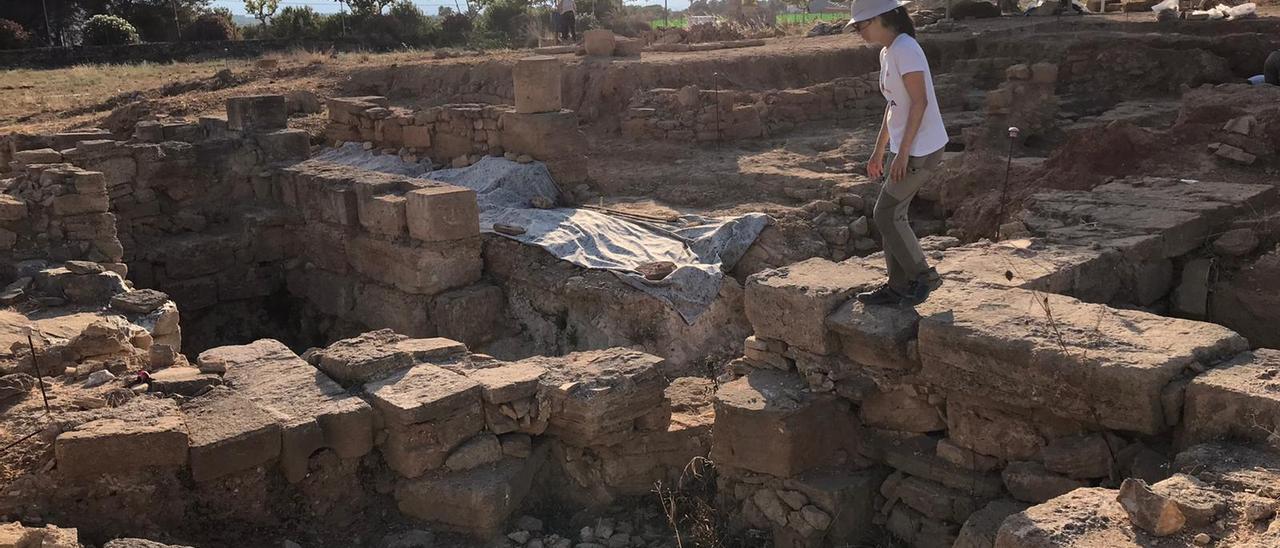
920,289
883,295
932,279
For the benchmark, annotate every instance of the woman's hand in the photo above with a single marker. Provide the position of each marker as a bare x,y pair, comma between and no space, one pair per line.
875,166
898,171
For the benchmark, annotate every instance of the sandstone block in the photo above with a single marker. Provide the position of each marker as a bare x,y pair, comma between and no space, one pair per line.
1238,399
137,435
413,449
596,396
478,451
768,422
427,269
537,84
916,529
473,314
141,301
544,136
37,156
1030,482
965,458
184,381
313,411
791,304
1080,457
875,336
442,213
417,136
422,393
480,500
901,409
999,345
992,432
257,113
916,455
229,433
508,382
377,306
284,145
1199,503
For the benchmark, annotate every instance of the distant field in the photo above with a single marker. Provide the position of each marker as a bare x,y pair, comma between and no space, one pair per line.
783,19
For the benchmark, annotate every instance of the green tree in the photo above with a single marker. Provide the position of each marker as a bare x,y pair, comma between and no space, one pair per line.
109,30
297,23
262,10
156,20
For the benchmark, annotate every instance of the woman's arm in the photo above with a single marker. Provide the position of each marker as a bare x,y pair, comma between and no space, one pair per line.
875,165
914,82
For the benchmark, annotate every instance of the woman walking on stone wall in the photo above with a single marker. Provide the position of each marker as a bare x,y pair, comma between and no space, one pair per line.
912,132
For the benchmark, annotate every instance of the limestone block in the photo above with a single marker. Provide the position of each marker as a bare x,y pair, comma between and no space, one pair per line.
183,381
374,355
229,433
935,500
480,500
901,409
1030,482
1198,502
1081,457
1149,511
37,156
1239,399
599,42
875,336
537,84
596,396
417,136
76,204
141,301
791,304
413,449
442,213
137,435
257,113
423,393
769,422
919,530
423,269
508,382
478,451
1000,345
313,411
916,455
544,136
284,145
378,307
473,314
627,47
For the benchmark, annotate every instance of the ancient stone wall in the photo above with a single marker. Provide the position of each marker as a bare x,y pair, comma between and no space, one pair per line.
998,392
692,114
459,134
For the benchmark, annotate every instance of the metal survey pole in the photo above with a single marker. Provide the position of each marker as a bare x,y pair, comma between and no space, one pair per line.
35,362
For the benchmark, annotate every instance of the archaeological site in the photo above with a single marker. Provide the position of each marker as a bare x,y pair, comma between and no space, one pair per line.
603,296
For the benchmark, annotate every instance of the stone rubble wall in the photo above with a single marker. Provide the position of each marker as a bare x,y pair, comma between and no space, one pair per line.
693,114
446,424
997,393
458,135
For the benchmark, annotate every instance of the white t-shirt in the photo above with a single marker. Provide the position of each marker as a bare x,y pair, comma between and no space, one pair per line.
904,56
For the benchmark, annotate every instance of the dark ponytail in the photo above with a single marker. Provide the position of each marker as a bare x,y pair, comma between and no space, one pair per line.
900,21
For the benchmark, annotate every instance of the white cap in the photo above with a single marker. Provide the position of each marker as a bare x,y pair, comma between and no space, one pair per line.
864,10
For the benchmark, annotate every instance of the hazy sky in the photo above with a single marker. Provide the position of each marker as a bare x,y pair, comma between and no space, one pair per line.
427,6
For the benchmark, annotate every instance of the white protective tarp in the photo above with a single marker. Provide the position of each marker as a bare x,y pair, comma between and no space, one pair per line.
701,248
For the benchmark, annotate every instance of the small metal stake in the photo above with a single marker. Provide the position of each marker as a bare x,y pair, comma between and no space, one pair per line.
35,362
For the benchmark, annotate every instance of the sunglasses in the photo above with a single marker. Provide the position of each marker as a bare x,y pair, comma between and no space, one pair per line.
861,25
